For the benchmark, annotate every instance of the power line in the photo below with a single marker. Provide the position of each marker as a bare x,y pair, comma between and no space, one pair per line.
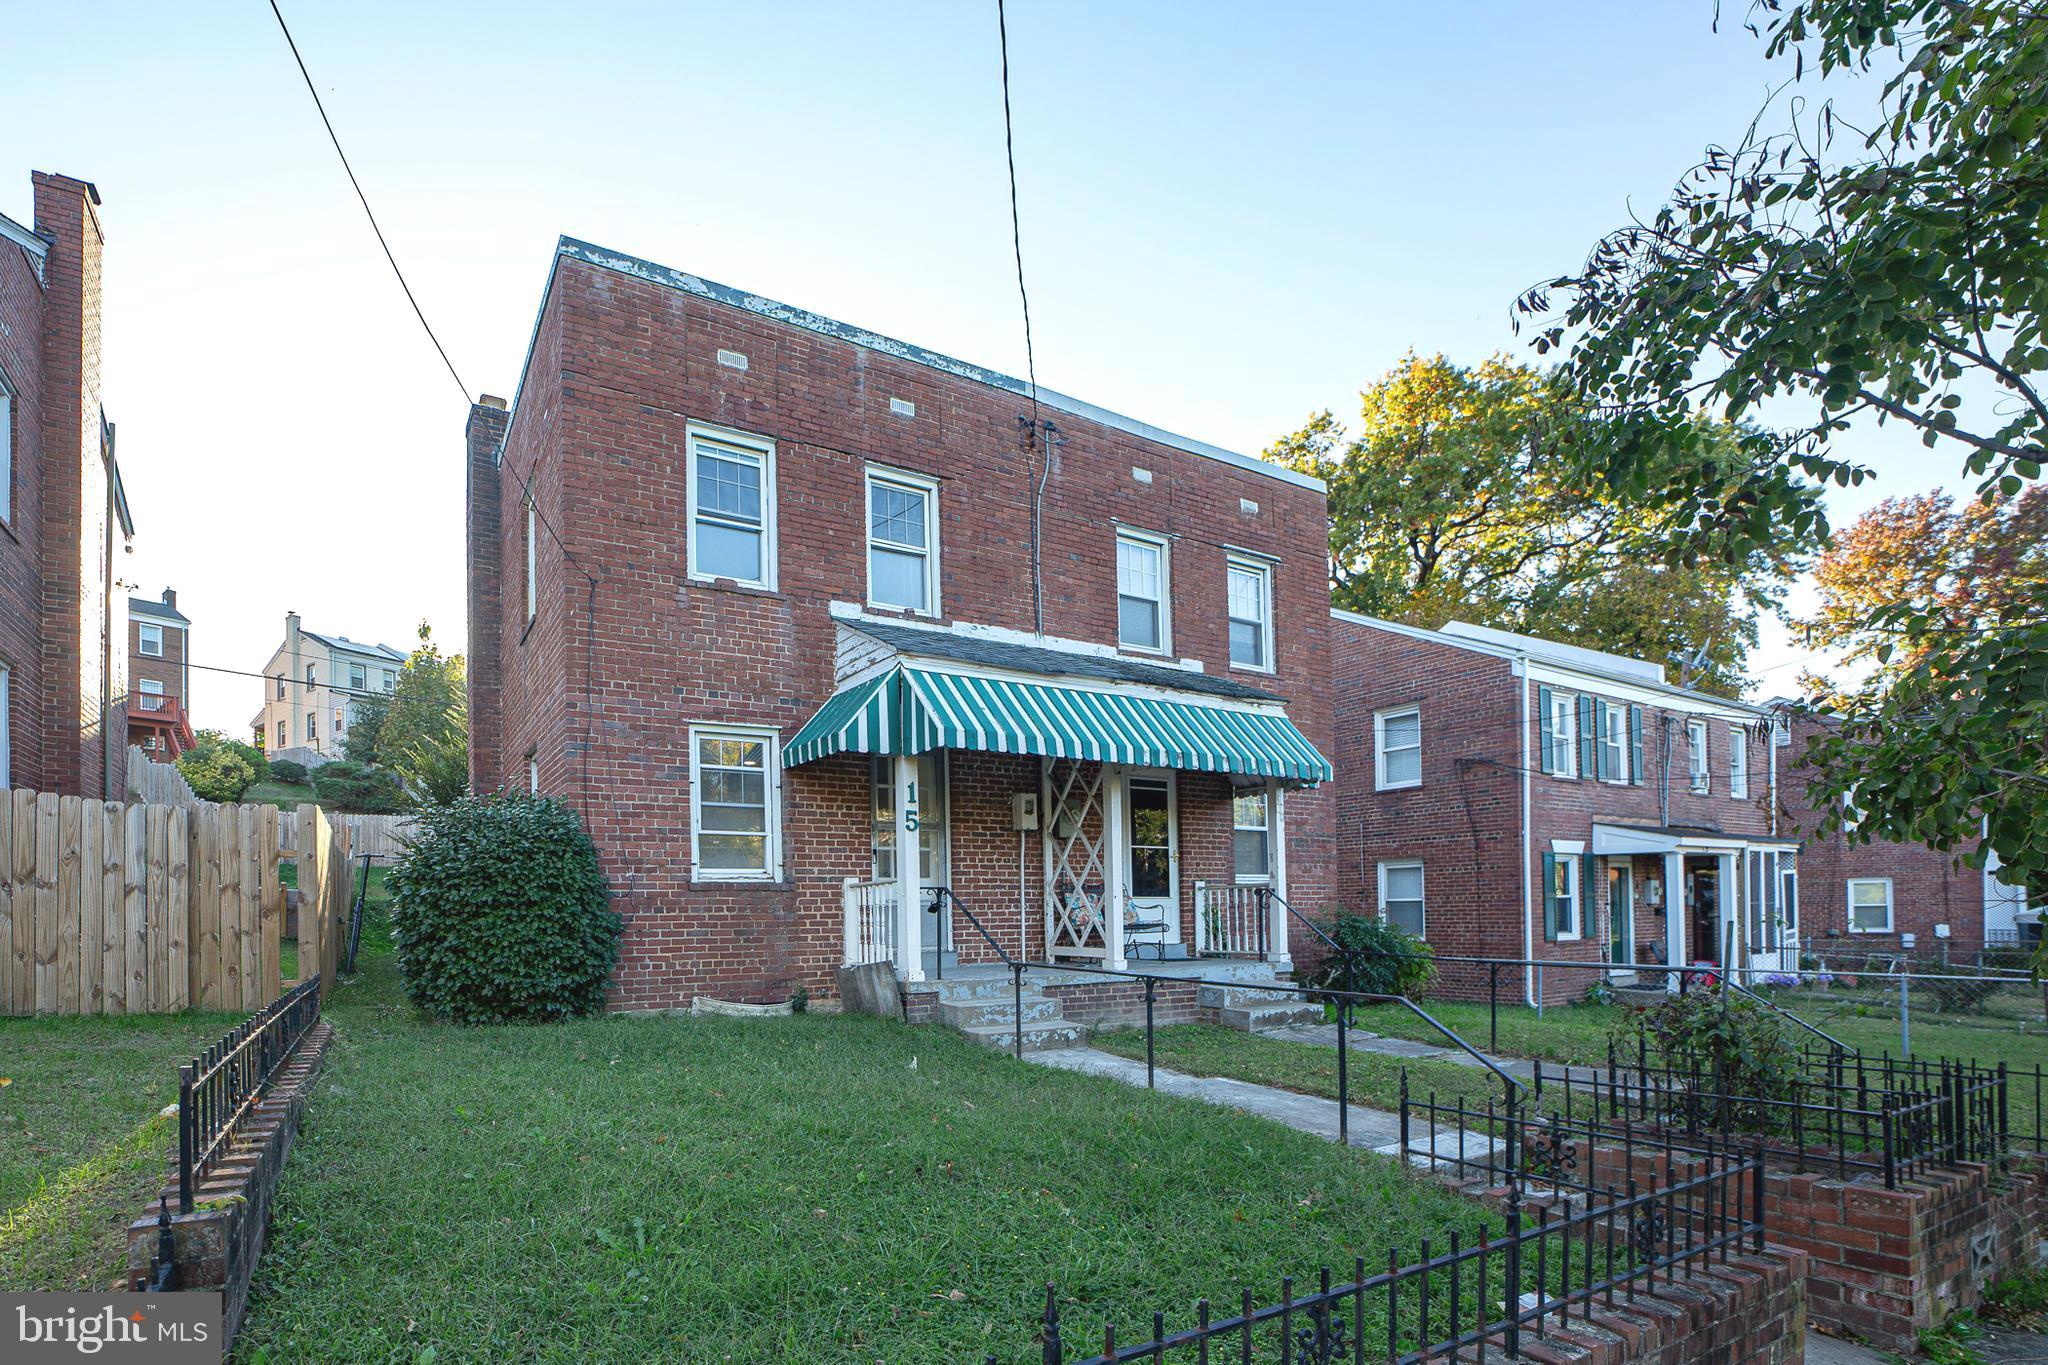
1016,227
328,123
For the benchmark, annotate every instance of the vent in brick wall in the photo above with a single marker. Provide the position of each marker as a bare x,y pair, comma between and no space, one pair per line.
1141,474
903,407
1248,507
732,360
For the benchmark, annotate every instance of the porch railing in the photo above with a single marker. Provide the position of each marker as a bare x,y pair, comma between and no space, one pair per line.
870,921
1232,920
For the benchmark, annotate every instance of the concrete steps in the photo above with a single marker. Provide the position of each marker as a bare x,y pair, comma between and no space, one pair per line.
1250,1009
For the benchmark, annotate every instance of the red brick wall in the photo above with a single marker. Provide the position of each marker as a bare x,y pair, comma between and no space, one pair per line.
169,669
620,366
22,303
1928,888
482,435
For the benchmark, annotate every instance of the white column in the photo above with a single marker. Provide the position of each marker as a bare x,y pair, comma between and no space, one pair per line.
909,890
1674,917
1735,944
1276,816
850,900
1116,871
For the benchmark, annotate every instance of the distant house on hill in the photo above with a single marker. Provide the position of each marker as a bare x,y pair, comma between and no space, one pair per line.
309,686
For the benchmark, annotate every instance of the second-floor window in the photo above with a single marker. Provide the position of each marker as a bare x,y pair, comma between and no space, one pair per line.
1250,590
150,640
903,541
358,677
1397,746
1696,755
732,508
280,689
152,694
1560,722
390,681
309,675
1738,763
1613,742
1141,592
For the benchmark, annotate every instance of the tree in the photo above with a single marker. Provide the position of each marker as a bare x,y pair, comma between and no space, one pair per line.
221,769
1457,499
428,714
365,726
1887,273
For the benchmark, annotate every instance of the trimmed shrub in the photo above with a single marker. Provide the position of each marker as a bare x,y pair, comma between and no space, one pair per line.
286,771
216,773
258,763
1389,960
500,914
358,789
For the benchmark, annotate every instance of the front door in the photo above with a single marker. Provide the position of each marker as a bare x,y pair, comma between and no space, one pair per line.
1153,874
1703,907
1621,914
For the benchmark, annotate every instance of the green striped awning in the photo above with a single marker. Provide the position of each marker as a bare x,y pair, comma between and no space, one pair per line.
914,710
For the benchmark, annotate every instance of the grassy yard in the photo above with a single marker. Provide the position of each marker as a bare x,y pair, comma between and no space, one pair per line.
82,1144
1375,1081
288,795
817,1188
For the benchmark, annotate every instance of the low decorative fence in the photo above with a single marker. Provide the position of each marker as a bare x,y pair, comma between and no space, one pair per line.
1232,920
219,1088
870,909
108,908
1508,1287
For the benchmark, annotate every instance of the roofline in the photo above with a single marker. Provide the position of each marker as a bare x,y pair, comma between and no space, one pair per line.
31,241
353,646
149,606
699,287
1526,658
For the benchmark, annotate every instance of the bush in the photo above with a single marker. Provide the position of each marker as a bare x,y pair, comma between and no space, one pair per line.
1389,960
1737,1047
358,789
286,771
499,912
216,772
258,763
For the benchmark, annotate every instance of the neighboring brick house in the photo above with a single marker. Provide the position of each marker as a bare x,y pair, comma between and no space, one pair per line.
755,591
1873,895
1510,797
63,514
309,685
159,676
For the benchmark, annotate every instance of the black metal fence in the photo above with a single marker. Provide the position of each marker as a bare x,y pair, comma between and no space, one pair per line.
220,1088
2024,1118
1509,1284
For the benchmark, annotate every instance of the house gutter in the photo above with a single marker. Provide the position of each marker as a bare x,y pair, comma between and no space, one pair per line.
1528,844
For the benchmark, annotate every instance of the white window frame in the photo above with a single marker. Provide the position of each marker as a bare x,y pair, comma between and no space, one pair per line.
390,681
1698,757
282,742
6,727
1379,748
1164,548
144,630
1572,858
927,487
1265,795
771,768
150,687
1890,907
311,676
8,408
533,558
312,727
1422,885
533,774
358,678
731,444
1615,746
1564,744
1738,762
1262,571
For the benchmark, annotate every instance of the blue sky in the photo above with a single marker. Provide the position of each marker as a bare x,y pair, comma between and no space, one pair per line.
1232,218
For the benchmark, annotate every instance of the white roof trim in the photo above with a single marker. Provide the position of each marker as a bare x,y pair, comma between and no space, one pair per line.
37,249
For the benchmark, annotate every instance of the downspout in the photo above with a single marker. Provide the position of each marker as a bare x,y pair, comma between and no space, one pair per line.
1664,775
107,792
1528,797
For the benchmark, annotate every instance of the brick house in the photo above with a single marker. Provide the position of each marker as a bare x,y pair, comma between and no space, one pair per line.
159,676
1510,797
63,514
1880,896
769,598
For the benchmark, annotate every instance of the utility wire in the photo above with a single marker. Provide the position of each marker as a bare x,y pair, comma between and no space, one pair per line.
1038,468
331,137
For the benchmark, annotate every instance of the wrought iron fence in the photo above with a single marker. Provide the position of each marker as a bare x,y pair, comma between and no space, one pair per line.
220,1088
1510,1283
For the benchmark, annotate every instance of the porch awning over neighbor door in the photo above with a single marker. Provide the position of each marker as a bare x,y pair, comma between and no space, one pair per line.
909,710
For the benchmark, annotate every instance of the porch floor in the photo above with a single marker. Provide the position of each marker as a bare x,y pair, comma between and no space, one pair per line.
1228,971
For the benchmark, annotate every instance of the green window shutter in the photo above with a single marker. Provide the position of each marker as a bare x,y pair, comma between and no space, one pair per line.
1635,745
1600,740
1587,748
1586,929
1549,899
1546,762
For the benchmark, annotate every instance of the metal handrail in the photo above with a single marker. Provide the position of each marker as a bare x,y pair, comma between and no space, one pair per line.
945,895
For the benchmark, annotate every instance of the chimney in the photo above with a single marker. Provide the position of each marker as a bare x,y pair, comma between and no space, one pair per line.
171,598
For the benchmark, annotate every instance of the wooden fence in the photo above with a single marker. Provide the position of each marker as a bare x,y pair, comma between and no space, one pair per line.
145,908
376,835
157,784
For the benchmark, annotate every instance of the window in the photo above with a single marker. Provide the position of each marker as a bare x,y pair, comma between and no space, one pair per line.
390,680
309,675
1614,756
533,773
1738,763
149,639
280,687
152,694
1249,586
6,729
1560,733
1251,823
732,508
734,822
1870,905
358,677
1561,889
532,558
1696,754
1141,592
1401,896
6,451
903,541
931,819
280,735
338,725
312,726
1397,748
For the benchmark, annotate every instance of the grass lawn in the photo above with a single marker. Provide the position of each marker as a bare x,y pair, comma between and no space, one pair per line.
1374,1080
81,1143
817,1188
289,795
